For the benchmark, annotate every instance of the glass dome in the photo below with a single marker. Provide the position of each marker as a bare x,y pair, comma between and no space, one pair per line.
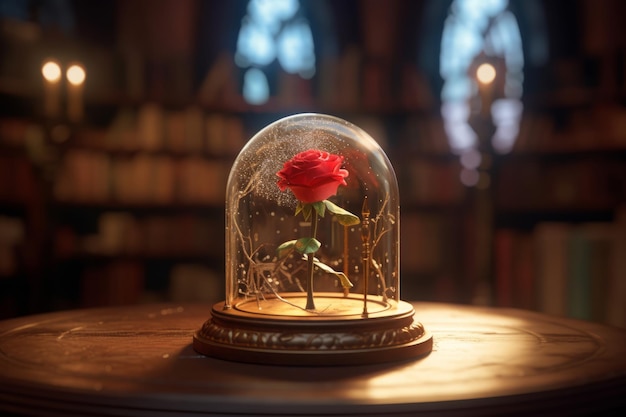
312,252
312,228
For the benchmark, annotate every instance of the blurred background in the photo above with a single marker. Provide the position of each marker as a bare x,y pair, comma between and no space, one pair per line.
505,122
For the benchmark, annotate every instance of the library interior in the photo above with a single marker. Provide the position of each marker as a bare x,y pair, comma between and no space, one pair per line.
505,123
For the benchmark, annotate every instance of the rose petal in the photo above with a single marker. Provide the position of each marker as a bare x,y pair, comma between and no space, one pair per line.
312,175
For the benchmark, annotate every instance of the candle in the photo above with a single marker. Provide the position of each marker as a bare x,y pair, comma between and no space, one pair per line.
486,75
51,72
75,75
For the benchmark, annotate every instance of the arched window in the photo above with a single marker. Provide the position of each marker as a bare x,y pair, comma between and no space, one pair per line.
482,66
273,30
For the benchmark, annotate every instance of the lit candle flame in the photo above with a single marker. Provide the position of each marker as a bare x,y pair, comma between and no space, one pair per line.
486,73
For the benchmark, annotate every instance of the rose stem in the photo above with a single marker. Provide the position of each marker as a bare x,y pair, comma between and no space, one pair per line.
310,304
346,257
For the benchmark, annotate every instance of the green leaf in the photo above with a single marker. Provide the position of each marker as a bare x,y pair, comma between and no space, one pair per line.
307,245
285,248
320,208
343,216
299,207
343,278
306,211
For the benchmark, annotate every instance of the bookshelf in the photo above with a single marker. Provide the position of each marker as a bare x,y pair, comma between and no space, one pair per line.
560,195
560,208
125,199
119,193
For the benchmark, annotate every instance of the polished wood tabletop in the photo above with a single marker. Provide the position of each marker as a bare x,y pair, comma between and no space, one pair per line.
139,361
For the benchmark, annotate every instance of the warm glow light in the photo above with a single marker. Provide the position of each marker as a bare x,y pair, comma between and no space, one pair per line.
486,73
75,74
51,71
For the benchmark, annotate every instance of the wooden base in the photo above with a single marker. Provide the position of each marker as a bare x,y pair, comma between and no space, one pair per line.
279,332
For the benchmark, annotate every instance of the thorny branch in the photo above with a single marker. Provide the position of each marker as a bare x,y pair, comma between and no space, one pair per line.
379,231
257,278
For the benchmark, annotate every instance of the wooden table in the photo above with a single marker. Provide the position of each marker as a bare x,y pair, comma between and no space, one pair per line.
138,361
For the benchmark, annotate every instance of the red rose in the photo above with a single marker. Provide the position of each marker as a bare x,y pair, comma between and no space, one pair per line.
312,175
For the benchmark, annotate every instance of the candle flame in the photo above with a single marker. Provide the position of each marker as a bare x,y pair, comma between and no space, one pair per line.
51,71
75,74
486,73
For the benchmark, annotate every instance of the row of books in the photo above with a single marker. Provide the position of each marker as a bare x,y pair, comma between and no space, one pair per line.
149,127
573,184
152,128
131,282
191,131
350,80
600,127
123,233
428,182
94,176
574,270
346,82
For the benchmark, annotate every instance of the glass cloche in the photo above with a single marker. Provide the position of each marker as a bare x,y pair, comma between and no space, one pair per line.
312,251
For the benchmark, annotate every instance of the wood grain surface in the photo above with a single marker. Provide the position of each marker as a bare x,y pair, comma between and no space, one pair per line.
138,361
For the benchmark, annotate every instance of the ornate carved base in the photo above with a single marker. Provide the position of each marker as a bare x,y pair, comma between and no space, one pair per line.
337,334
